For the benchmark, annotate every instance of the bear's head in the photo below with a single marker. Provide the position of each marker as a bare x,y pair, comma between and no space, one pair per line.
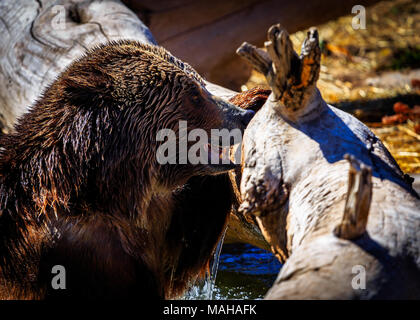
147,106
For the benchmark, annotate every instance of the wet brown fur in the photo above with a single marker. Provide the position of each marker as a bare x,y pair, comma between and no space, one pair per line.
80,186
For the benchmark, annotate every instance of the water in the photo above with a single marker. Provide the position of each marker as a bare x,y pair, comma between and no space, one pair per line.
215,267
204,289
243,272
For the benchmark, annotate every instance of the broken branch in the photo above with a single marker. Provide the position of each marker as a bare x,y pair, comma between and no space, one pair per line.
359,196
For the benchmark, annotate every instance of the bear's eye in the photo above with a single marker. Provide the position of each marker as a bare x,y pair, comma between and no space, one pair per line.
195,99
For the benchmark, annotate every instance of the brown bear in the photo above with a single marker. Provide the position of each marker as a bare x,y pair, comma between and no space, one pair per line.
81,187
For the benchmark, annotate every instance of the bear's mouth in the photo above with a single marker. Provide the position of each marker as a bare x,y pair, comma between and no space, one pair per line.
219,157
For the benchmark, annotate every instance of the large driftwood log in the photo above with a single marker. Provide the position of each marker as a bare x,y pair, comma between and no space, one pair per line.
40,38
341,235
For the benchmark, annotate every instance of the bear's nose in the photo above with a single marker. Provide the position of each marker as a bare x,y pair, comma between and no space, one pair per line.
247,116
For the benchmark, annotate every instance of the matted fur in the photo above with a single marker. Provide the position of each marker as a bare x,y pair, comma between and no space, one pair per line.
80,185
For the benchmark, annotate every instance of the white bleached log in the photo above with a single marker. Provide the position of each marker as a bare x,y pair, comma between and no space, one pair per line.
295,181
41,37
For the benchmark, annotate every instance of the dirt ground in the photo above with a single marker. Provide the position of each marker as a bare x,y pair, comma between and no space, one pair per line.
367,71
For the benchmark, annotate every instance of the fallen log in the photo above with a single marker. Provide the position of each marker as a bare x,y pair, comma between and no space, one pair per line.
40,38
341,234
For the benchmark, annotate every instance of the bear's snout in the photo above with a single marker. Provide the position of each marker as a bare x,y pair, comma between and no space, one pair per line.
233,116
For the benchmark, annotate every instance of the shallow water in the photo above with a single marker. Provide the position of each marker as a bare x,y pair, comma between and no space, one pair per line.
205,289
244,272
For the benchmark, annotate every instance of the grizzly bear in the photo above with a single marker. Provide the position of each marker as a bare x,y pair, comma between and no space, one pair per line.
81,187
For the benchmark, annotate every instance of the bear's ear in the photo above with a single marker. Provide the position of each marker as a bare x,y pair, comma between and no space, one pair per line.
88,85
